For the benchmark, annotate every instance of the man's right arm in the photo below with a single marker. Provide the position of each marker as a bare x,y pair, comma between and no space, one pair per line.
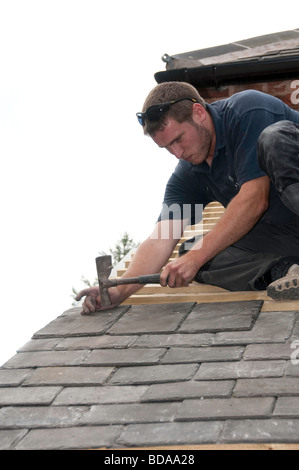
149,258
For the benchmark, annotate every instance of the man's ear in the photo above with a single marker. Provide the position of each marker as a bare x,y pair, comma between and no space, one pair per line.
199,113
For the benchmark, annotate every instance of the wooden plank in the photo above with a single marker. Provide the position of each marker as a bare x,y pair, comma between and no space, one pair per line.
202,297
240,446
212,216
280,306
192,288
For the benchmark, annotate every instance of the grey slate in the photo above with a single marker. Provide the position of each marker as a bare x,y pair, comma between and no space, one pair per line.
296,330
46,358
9,438
96,342
269,430
178,355
40,345
237,370
261,387
13,377
72,323
179,340
287,406
69,376
171,434
225,408
100,395
169,374
84,437
124,356
130,413
153,374
188,389
267,351
38,416
270,327
292,370
28,395
226,316
149,319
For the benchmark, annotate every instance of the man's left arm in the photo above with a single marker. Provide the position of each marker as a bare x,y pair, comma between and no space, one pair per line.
240,216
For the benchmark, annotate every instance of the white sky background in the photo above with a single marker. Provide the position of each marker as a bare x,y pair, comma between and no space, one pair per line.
76,170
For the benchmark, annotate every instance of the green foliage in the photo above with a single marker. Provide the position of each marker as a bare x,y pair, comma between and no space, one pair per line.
118,252
122,248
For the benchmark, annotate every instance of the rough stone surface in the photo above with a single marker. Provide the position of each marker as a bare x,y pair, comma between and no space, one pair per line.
228,316
73,324
148,319
171,433
239,370
261,430
155,375
38,416
258,387
43,358
130,413
69,376
80,437
125,357
177,355
9,439
188,389
28,396
225,408
270,327
287,406
100,395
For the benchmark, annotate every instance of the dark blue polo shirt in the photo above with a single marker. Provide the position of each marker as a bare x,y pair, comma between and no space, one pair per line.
239,121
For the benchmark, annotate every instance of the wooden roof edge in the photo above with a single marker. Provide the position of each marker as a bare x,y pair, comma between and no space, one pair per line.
237,446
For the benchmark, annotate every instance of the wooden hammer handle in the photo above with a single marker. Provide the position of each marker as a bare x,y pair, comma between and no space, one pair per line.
146,279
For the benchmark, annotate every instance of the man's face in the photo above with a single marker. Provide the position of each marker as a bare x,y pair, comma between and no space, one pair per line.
187,141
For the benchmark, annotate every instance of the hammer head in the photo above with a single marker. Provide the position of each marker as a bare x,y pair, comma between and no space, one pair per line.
104,266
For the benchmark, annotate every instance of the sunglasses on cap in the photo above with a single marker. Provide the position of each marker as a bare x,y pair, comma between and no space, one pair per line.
153,113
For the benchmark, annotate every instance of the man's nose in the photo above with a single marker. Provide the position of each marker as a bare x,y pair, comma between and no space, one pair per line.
176,151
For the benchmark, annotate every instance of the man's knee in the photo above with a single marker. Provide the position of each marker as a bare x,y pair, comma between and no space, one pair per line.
272,135
273,141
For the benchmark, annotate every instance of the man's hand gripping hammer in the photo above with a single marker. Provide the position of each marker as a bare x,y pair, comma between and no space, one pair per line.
104,266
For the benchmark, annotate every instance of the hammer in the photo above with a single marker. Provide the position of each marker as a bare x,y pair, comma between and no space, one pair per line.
104,267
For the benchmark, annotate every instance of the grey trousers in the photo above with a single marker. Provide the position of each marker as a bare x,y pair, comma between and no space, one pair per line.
266,253
278,151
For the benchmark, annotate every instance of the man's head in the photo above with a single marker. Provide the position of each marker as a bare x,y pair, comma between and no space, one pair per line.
176,118
184,95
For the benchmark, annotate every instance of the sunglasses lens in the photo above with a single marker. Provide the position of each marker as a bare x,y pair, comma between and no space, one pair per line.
141,118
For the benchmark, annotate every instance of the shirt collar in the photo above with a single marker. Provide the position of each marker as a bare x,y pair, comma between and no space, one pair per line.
217,120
